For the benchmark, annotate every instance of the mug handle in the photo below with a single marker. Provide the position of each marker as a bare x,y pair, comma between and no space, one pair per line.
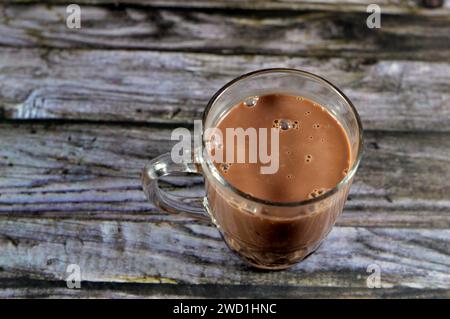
163,165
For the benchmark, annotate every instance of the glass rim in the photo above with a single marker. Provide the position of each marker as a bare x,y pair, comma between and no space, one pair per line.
344,181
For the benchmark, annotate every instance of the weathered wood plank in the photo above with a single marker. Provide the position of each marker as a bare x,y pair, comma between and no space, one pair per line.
28,288
87,172
85,167
387,6
175,87
191,253
278,33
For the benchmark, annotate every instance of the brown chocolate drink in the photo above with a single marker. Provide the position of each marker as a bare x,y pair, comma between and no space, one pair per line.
314,156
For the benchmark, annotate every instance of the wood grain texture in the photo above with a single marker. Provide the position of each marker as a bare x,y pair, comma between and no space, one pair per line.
85,172
82,111
168,87
29,288
190,253
388,6
316,34
70,193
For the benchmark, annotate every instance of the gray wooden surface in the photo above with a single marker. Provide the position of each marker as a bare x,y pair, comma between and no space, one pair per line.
81,111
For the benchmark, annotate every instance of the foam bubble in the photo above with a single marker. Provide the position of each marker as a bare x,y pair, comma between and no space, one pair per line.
225,167
317,192
251,101
285,124
308,113
308,158
345,171
215,143
316,125
290,176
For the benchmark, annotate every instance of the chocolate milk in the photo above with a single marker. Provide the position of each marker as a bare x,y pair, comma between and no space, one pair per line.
314,156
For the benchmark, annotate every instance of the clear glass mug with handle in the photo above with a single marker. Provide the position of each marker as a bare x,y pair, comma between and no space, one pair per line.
267,235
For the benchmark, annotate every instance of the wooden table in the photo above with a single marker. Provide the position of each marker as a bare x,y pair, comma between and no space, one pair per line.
82,110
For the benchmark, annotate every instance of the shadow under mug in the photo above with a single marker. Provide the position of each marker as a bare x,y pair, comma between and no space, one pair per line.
268,235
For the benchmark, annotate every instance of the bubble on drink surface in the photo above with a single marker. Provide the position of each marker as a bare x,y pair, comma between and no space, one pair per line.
225,167
310,137
251,101
296,125
299,98
345,172
317,192
290,176
285,125
215,143
316,125
322,139
308,113
308,158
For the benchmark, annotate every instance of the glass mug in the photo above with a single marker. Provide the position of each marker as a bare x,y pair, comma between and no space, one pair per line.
267,235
